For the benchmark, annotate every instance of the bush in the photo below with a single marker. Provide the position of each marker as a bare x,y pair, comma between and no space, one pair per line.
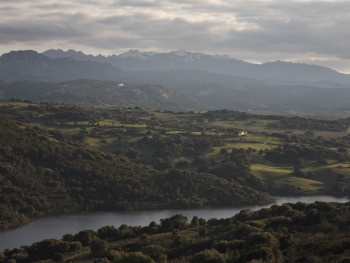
57,257
84,236
47,248
260,238
136,257
98,248
260,253
175,222
114,255
208,256
157,253
108,232
68,237
75,246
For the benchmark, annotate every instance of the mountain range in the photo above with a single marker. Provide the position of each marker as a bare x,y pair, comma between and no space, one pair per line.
30,75
30,64
205,81
135,60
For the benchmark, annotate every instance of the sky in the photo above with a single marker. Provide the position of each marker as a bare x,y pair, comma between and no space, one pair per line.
306,31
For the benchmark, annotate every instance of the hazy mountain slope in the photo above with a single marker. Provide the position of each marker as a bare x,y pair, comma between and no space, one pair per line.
30,64
135,60
99,93
216,90
299,72
270,97
238,93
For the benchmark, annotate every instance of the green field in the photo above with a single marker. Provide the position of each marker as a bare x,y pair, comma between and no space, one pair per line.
180,140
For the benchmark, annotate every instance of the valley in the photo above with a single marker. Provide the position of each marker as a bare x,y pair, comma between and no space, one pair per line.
147,131
83,136
124,159
270,152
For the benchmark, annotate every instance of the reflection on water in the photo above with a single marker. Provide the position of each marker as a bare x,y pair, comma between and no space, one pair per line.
56,227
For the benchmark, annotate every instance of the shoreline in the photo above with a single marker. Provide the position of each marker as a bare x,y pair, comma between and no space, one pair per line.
166,208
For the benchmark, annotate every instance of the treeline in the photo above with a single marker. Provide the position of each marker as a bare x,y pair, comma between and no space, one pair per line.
310,124
282,122
289,153
60,113
317,232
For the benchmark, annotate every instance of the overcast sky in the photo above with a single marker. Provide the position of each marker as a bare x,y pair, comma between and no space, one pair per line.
316,32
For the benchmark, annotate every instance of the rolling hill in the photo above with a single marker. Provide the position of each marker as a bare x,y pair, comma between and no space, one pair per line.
45,172
99,93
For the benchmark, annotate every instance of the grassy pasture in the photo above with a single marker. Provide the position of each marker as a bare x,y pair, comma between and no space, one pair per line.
303,184
129,132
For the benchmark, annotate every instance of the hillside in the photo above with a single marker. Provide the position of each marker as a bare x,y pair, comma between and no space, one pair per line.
239,93
30,64
278,155
99,93
45,172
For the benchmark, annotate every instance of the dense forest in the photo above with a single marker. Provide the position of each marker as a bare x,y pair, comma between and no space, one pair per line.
317,232
57,158
46,172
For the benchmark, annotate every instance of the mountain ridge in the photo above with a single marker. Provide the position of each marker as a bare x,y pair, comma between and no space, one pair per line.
134,60
217,90
29,63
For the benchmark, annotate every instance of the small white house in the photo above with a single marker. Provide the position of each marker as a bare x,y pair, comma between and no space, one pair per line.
121,84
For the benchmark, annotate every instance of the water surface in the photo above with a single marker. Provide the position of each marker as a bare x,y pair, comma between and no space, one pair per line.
56,227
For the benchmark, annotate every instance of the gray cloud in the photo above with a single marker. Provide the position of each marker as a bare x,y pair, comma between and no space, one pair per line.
254,30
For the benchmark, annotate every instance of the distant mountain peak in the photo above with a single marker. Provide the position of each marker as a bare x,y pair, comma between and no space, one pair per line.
135,53
181,53
29,63
21,54
288,65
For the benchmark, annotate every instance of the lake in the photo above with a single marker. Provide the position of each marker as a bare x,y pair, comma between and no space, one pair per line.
56,227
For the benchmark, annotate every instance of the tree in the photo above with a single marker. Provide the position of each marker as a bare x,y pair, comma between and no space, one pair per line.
297,167
98,247
157,253
195,221
84,237
175,222
208,256
136,257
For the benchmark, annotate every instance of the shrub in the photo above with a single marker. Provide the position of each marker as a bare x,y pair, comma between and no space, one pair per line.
98,247
57,257
136,257
208,256
84,236
157,253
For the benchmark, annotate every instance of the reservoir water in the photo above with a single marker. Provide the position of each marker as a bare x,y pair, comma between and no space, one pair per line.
56,227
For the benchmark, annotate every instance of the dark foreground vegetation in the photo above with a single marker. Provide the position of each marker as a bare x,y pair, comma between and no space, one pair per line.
58,159
318,232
